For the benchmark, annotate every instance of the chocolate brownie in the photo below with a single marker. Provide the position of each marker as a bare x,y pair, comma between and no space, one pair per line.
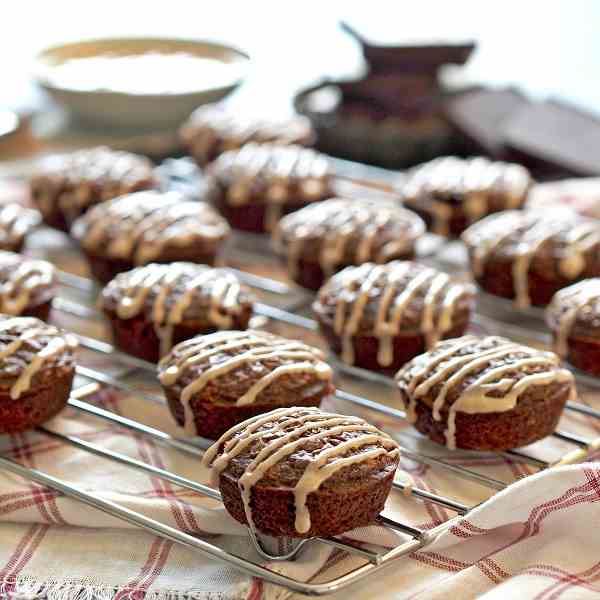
151,308
300,472
69,184
529,255
259,183
573,316
484,393
213,129
27,286
16,223
380,316
36,371
450,193
215,381
146,227
327,236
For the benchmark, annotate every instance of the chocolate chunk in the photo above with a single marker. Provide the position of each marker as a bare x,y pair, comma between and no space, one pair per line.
557,137
479,115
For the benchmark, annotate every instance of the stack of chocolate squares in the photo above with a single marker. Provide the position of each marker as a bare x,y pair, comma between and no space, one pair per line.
400,113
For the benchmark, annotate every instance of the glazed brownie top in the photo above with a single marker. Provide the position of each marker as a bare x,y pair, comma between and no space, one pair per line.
244,367
343,231
478,375
24,282
304,450
213,129
16,222
575,310
108,169
477,185
397,297
453,180
30,353
168,294
272,174
561,239
140,226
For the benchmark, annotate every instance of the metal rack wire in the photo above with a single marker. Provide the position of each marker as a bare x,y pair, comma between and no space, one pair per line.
370,559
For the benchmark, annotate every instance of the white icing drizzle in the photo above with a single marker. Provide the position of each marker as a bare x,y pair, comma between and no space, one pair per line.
237,349
138,226
479,184
341,224
490,389
287,431
77,180
25,329
213,129
567,305
19,279
521,235
16,222
388,290
274,175
173,288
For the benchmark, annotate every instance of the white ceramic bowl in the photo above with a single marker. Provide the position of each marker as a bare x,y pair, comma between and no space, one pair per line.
9,123
160,82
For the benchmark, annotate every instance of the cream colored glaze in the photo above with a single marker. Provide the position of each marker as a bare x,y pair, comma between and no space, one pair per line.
453,369
15,222
212,125
285,172
475,181
16,290
398,291
222,288
146,222
574,298
470,402
531,242
253,347
338,221
319,468
537,229
28,328
114,171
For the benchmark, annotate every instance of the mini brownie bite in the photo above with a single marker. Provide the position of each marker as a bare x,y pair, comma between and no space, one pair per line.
69,184
485,393
214,129
215,381
450,193
573,316
259,183
27,286
380,316
301,472
16,223
528,256
146,227
36,372
151,308
327,236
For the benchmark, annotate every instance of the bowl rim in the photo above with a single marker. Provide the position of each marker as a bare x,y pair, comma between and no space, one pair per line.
41,65
14,124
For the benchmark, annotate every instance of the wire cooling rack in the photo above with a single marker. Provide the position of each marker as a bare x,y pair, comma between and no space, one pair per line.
283,305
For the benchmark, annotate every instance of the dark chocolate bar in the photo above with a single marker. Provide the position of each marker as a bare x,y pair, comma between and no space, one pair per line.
556,136
480,114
